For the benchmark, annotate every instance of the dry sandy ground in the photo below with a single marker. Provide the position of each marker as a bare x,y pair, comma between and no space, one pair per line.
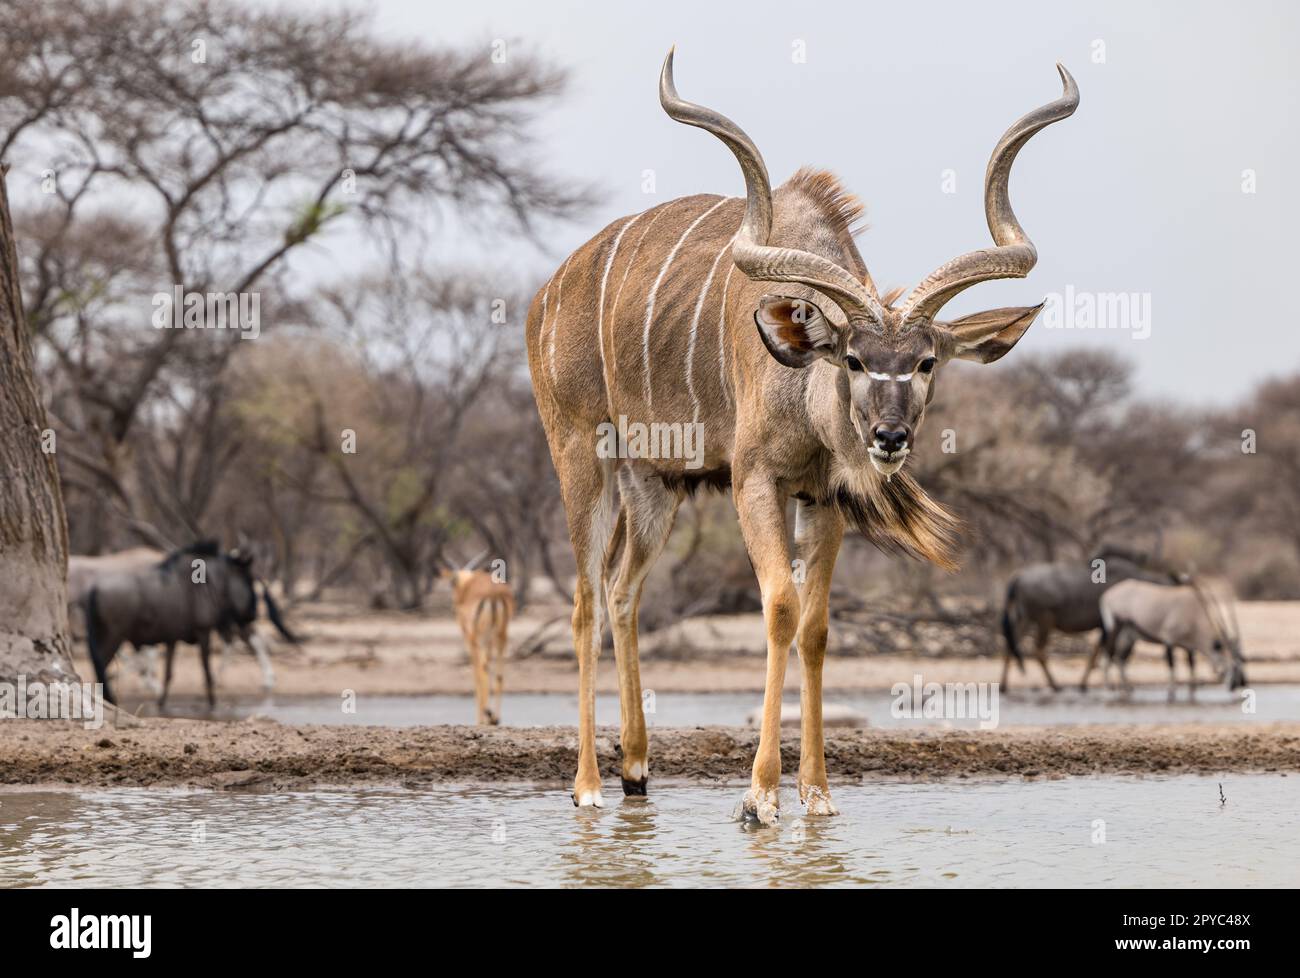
264,755
393,653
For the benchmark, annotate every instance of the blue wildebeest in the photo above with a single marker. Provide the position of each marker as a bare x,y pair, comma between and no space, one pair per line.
84,570
193,592
1191,617
1065,596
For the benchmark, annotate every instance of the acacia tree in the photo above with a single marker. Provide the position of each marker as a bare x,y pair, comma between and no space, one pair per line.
203,144
33,534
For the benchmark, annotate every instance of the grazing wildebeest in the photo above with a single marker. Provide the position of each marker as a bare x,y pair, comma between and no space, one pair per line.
1064,596
1191,617
193,592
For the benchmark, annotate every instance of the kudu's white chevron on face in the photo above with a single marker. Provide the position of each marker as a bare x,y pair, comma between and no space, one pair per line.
791,409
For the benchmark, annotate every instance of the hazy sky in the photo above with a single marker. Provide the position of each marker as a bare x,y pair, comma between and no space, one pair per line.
1140,192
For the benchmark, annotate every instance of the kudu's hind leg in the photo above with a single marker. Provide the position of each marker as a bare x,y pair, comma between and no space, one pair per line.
645,521
818,533
587,484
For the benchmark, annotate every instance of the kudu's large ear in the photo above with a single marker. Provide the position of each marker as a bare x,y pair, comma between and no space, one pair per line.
988,336
795,331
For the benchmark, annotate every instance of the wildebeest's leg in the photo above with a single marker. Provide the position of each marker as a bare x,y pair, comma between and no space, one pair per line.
103,645
818,533
1040,653
761,507
169,657
205,655
644,523
1012,651
1103,641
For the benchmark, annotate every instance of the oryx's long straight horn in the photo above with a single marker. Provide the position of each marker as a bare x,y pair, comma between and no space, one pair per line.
751,251
1014,255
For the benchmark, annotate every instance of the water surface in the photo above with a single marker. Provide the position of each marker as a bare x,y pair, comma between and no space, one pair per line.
1076,832
1146,704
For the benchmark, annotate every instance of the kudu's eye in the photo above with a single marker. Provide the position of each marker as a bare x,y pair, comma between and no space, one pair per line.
926,365
853,363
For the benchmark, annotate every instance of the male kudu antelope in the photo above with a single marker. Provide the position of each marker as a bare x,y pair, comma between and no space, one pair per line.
821,402
484,608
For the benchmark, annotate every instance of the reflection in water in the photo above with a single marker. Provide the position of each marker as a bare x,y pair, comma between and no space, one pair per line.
1113,831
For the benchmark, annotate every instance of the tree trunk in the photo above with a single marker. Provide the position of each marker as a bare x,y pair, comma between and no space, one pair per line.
34,639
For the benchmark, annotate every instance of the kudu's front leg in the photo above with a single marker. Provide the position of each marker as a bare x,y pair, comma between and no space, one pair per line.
817,535
761,507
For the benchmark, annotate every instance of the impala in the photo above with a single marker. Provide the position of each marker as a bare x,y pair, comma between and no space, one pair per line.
484,607
814,393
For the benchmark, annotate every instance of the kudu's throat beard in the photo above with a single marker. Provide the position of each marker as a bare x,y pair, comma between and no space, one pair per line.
886,504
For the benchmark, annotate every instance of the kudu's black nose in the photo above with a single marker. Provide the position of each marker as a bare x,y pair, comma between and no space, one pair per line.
891,437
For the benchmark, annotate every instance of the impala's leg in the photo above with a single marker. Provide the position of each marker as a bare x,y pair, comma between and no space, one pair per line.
468,630
818,531
761,507
587,484
500,622
648,511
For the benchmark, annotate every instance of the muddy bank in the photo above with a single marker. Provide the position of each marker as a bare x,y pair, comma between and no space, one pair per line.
264,755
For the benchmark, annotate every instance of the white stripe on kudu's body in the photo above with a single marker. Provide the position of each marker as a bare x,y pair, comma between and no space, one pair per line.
600,308
695,329
654,290
790,411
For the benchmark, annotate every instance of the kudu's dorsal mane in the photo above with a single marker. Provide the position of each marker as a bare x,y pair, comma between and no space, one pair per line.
1012,256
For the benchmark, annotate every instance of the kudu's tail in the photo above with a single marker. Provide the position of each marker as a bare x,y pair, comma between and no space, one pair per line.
1009,626
273,612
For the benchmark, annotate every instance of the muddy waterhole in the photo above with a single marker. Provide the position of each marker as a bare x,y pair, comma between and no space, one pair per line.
1088,831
